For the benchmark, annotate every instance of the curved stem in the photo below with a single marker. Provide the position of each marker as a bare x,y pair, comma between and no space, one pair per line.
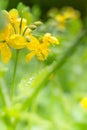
55,66
14,74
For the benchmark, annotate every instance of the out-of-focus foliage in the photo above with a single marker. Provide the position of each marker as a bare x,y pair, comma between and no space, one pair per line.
45,5
3,21
30,14
47,97
3,4
24,12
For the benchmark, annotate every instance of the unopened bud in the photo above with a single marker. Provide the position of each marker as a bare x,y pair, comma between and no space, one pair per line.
32,27
38,23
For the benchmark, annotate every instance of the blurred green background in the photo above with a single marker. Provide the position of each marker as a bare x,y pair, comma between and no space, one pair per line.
58,102
45,5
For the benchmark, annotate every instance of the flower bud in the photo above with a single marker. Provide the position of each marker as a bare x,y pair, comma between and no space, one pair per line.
32,27
37,23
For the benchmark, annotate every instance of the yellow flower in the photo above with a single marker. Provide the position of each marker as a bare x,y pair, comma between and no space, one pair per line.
19,39
18,36
41,52
62,20
35,48
70,13
84,102
10,37
40,48
18,25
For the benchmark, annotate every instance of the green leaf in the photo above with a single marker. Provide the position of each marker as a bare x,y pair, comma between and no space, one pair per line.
30,86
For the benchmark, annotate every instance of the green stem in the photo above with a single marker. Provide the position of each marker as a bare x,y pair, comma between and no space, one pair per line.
14,74
55,66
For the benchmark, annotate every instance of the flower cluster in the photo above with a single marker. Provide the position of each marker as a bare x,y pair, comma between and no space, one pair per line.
18,35
40,47
69,13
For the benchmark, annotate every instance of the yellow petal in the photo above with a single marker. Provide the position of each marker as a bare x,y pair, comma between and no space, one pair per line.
47,39
71,13
1,45
17,41
13,14
33,44
5,33
30,56
20,29
5,53
43,52
60,18
34,40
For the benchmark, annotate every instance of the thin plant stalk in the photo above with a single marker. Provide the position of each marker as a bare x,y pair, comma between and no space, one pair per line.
14,73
